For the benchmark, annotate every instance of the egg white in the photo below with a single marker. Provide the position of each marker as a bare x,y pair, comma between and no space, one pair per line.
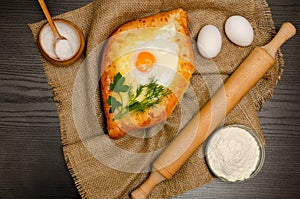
165,67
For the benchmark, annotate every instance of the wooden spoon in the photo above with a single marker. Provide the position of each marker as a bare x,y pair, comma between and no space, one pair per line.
57,36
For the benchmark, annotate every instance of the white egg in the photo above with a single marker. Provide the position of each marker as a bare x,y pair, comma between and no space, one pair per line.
209,41
239,30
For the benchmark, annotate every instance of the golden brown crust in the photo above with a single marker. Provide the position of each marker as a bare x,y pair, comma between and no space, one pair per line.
158,20
131,122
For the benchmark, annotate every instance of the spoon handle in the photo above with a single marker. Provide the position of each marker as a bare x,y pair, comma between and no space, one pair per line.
49,18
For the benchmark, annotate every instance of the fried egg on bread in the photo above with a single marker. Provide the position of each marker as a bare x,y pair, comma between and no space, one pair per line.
145,70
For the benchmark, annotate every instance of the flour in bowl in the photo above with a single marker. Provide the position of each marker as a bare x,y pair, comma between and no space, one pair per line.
233,153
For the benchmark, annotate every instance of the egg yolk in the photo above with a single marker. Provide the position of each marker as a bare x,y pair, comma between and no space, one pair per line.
144,61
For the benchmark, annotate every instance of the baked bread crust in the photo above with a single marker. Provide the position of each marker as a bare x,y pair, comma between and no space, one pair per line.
109,69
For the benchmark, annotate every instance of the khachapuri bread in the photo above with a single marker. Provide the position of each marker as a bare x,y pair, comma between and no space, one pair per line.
146,68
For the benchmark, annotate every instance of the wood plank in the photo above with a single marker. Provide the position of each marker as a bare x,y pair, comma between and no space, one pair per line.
31,158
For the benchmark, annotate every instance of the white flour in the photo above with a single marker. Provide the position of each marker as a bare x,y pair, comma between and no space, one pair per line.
63,51
233,153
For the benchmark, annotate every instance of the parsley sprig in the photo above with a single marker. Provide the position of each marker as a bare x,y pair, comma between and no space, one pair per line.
144,97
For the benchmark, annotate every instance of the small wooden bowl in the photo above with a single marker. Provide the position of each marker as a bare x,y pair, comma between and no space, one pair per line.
56,60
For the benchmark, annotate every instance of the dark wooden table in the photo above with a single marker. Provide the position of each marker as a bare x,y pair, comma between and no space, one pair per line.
31,158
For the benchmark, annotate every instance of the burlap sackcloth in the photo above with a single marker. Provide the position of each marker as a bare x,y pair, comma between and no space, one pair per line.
105,168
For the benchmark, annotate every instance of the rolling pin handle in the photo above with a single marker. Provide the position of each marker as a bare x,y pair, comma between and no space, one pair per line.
144,190
286,31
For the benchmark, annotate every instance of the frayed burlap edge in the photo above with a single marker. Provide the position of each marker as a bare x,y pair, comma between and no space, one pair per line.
259,101
60,109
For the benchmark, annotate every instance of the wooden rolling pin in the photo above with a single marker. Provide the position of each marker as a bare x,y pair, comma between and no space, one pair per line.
260,60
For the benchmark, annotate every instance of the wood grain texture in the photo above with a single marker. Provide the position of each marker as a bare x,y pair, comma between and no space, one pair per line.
31,158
